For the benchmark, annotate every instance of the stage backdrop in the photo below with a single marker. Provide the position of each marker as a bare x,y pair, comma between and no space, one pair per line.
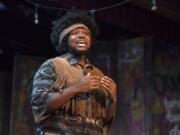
147,73
165,104
148,88
132,115
21,115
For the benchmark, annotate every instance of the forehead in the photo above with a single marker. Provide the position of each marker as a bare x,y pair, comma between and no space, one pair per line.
80,29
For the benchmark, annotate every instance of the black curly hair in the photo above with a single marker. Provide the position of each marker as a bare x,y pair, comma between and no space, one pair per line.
67,20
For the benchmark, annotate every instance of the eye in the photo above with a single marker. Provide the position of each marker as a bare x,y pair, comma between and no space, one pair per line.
86,33
74,33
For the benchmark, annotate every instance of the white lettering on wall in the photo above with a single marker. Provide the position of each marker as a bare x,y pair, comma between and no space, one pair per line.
174,131
169,106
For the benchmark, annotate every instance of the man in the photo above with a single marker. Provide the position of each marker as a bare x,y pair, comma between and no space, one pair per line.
70,96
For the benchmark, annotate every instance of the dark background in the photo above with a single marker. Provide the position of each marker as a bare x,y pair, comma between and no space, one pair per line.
20,36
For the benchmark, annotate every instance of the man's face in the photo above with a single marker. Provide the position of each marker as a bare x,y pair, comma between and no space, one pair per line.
79,41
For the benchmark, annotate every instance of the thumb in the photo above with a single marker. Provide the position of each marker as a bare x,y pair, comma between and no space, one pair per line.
88,74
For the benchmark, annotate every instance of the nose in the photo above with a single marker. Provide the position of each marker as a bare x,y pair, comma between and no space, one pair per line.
81,35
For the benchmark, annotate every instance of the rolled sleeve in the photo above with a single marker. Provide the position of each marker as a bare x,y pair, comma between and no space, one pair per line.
41,90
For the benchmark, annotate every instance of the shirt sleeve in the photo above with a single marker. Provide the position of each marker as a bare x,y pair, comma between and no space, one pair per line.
41,90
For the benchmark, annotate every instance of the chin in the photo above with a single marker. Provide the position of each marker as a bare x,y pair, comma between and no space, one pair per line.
81,52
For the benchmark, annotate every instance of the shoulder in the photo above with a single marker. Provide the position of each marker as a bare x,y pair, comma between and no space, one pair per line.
46,68
58,60
51,63
47,63
59,63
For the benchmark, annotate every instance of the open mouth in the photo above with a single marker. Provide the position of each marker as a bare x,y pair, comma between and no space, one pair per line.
81,43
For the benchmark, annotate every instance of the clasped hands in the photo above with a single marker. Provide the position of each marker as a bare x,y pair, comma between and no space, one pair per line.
90,82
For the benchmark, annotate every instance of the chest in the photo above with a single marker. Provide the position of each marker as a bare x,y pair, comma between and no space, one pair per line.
68,74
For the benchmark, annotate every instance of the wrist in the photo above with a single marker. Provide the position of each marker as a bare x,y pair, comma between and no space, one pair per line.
112,98
75,89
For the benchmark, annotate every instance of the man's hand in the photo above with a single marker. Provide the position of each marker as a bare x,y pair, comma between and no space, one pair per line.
110,86
88,83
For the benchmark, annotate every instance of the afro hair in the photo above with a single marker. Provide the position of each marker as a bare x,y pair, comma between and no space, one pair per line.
67,20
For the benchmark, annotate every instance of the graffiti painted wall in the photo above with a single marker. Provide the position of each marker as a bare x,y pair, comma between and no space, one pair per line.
132,91
165,107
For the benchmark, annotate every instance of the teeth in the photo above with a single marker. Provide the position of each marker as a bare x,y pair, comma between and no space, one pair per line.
81,45
81,42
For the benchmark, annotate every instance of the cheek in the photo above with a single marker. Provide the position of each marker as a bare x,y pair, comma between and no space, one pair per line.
89,40
71,39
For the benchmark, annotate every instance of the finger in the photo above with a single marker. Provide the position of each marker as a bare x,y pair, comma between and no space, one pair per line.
103,80
108,90
110,82
88,74
95,77
95,86
106,85
108,78
95,83
106,81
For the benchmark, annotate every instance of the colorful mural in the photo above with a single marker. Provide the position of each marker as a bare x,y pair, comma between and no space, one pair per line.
132,88
165,106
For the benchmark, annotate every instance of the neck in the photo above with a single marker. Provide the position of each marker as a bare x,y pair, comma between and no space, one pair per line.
80,58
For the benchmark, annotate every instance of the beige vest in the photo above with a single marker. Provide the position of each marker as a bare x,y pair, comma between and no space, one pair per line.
91,106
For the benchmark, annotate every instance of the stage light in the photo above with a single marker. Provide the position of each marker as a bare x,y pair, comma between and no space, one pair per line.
36,16
154,5
2,6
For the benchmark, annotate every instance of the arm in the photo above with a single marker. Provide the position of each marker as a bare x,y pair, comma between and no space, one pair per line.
42,81
86,84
